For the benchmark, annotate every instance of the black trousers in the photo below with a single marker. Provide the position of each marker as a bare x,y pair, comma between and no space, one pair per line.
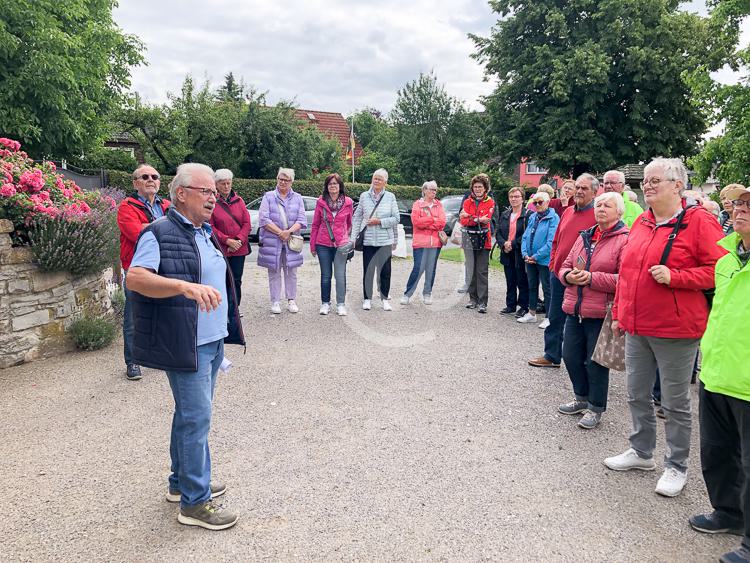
376,258
237,265
479,268
725,455
516,282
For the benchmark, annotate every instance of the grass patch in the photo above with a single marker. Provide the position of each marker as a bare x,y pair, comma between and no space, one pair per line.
457,255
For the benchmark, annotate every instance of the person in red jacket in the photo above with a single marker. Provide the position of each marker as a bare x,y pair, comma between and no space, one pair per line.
589,274
135,212
476,215
231,223
661,307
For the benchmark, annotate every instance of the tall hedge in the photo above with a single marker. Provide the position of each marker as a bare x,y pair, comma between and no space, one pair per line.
251,189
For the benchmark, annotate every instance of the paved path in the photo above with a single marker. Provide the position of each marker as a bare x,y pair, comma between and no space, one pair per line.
419,434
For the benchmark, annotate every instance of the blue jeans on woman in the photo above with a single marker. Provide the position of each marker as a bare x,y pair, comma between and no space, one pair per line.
590,380
425,262
537,273
331,261
193,394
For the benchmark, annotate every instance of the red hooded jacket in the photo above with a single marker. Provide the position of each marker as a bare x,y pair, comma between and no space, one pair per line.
132,216
680,310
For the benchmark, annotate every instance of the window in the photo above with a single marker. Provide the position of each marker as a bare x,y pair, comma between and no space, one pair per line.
533,168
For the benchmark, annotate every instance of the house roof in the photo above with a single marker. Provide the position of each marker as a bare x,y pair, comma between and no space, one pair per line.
332,124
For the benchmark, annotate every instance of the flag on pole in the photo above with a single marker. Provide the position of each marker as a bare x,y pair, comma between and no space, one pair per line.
352,145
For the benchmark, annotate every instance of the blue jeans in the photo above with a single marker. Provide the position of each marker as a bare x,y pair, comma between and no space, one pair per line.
331,261
127,323
590,380
193,396
553,334
538,273
425,262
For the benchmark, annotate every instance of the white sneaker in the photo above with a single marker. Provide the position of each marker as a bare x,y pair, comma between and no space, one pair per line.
427,299
341,310
292,306
405,299
276,308
325,308
544,324
387,305
367,304
527,318
671,482
629,460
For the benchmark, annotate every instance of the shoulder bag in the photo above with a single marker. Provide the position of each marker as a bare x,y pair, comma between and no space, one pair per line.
347,248
295,243
610,347
359,243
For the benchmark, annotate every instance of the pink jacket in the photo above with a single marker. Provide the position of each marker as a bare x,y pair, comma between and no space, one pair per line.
590,301
341,225
427,222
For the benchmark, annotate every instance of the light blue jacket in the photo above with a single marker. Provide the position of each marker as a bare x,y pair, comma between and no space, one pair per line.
537,238
387,212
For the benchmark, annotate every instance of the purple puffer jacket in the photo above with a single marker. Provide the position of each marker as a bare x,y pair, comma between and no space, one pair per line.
269,255
590,301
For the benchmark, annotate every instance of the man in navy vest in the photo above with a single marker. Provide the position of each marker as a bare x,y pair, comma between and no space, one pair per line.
183,313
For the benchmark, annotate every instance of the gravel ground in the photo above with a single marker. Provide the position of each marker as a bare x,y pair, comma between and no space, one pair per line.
419,434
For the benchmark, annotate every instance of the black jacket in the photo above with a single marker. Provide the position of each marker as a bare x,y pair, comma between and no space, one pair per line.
166,330
501,223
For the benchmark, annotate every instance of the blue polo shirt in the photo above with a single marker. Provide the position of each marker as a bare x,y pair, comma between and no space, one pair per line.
155,209
212,326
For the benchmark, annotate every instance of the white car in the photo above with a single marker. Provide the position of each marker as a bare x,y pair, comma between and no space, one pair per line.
254,206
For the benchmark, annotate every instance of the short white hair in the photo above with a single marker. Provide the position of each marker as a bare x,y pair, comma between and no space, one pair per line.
184,176
673,169
632,196
382,172
540,195
713,207
223,174
427,185
613,196
287,172
619,173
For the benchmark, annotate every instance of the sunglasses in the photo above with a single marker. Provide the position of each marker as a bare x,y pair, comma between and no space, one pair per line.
145,177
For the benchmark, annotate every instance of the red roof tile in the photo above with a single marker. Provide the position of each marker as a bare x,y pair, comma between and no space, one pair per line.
332,124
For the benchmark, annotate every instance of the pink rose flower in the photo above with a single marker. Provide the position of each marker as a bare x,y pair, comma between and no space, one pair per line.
8,190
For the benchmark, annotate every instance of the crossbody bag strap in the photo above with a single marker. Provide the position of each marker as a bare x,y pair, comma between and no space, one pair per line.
373,211
229,212
671,237
282,213
328,225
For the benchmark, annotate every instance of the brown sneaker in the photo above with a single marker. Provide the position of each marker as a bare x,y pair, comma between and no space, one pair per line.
208,515
217,489
542,363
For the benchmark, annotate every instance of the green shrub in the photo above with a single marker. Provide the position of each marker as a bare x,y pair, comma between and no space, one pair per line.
92,333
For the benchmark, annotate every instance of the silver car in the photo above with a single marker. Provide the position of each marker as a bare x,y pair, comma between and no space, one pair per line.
254,207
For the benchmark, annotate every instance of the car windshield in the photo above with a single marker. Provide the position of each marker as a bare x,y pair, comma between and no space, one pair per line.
310,203
404,206
451,204
255,204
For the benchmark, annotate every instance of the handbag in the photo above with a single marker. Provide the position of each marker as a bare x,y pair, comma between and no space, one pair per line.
610,347
457,234
347,248
443,237
295,243
359,243
477,234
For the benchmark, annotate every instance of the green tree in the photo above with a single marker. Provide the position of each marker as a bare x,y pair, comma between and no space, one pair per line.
63,68
231,90
586,85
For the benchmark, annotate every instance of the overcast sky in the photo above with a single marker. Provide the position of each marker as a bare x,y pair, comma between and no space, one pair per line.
327,55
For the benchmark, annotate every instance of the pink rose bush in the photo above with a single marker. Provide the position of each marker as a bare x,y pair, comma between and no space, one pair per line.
68,228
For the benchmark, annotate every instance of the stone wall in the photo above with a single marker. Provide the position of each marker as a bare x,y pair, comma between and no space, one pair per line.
36,307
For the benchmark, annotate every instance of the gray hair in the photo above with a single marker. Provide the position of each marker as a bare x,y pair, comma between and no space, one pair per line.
223,174
632,196
614,196
594,181
184,176
431,184
713,207
619,173
287,172
382,172
673,169
141,167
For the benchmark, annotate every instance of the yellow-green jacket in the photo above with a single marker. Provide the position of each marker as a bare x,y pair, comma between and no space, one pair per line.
726,355
632,211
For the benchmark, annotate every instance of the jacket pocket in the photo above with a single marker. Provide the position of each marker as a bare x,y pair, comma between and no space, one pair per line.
674,298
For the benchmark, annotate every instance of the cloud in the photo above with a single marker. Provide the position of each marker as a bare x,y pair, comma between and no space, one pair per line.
324,54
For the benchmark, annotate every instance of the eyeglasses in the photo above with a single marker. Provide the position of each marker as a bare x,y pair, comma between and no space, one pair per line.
284,180
145,177
653,182
613,183
205,192
737,203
